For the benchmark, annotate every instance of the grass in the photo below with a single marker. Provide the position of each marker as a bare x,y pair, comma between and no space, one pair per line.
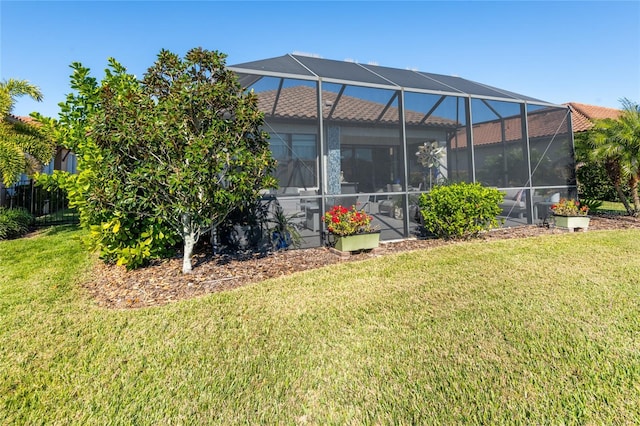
59,216
611,206
530,331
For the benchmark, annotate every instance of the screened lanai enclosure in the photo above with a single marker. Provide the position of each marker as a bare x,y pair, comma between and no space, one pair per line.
376,137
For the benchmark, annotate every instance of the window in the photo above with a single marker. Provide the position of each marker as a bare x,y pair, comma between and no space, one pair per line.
297,156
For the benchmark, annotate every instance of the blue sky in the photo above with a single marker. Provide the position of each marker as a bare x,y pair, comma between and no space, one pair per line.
582,51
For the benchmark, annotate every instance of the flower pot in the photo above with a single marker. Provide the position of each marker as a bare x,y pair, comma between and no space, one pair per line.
281,240
572,222
358,242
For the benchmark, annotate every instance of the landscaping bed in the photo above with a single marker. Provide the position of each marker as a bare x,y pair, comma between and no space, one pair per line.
162,282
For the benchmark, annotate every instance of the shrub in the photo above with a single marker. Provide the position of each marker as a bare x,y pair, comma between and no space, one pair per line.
461,210
592,204
593,183
14,223
132,242
246,228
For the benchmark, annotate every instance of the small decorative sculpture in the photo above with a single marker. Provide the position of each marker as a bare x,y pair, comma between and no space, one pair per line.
429,155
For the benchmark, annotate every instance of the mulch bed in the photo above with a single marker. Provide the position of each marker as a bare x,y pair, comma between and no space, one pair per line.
162,282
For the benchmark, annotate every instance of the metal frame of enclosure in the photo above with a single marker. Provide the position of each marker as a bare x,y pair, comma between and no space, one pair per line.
377,137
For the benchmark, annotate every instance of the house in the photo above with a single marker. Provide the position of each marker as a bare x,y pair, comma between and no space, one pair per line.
63,159
24,194
349,133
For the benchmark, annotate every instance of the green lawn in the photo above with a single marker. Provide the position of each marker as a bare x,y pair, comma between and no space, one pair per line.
611,206
532,331
60,216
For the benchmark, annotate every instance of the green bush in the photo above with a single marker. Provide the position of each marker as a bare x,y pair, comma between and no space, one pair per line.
132,242
461,210
126,239
14,223
593,180
593,183
591,203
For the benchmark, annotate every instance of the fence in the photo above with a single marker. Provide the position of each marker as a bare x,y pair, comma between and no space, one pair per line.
48,207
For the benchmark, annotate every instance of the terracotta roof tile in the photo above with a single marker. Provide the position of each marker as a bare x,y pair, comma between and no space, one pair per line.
583,115
26,120
300,102
542,123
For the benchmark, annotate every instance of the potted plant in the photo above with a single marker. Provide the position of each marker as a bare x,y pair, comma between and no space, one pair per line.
284,232
569,214
351,229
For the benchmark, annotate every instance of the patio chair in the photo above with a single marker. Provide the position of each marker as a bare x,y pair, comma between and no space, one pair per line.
362,203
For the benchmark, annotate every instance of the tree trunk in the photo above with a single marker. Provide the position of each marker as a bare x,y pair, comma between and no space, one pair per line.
612,167
623,199
189,238
634,195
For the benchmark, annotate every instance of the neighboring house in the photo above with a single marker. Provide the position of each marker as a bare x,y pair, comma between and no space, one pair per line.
63,159
583,115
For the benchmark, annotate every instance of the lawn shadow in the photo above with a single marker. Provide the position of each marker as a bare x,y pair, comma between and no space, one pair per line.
58,229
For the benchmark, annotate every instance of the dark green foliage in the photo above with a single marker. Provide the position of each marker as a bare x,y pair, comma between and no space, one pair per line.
246,228
594,180
164,158
461,210
24,148
14,223
594,183
259,226
284,231
591,203
615,146
512,171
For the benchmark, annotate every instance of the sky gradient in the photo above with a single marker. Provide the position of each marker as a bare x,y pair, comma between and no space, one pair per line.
582,51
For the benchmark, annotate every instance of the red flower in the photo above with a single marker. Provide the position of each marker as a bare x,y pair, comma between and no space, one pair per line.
342,221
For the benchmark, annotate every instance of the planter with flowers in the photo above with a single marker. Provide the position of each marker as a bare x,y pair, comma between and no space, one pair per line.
351,229
569,214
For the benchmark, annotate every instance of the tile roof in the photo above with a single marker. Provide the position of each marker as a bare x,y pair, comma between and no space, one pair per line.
15,118
300,102
545,122
582,115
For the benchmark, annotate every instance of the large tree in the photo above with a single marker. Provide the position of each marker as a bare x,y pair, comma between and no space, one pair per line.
23,147
182,146
616,145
